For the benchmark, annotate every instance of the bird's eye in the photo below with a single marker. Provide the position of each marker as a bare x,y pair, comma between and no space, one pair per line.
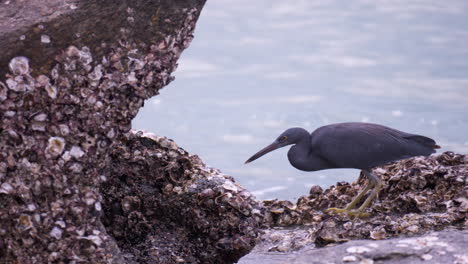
283,138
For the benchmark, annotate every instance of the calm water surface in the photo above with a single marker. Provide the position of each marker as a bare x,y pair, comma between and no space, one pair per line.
258,67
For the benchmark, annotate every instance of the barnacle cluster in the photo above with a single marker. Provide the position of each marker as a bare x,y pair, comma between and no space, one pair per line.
20,81
19,65
419,194
173,207
58,129
55,146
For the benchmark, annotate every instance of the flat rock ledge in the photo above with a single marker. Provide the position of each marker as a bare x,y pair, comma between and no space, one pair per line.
433,248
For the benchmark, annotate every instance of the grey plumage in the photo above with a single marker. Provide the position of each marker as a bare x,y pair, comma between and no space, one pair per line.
350,145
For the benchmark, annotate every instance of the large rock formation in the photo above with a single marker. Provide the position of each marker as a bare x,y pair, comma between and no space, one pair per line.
73,74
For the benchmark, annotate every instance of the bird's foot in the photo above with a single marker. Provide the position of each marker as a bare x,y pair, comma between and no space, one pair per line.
337,210
351,213
358,213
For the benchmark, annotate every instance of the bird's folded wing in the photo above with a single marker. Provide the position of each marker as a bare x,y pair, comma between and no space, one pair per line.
362,146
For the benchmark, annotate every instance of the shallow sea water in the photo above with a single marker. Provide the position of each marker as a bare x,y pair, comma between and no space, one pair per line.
256,68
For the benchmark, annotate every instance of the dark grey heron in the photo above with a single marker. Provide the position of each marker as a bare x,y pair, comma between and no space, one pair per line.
350,145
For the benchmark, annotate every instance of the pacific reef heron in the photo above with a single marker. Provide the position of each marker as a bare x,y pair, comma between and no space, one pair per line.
350,145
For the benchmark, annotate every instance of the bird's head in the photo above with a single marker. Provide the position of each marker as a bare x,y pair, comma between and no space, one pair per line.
288,137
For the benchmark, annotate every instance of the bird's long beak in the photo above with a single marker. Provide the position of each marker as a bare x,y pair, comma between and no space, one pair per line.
269,148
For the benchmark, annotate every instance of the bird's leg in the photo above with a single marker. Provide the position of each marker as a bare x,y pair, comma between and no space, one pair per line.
375,183
352,203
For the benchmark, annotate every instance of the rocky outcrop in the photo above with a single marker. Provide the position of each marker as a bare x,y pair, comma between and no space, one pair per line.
163,205
74,186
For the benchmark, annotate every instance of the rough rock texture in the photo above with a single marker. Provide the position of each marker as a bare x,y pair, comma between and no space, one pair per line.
77,187
433,248
39,29
76,74
419,195
164,206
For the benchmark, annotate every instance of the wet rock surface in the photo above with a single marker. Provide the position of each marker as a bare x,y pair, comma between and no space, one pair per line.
73,74
435,247
163,205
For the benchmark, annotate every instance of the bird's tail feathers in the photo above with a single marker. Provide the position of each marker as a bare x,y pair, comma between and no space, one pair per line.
428,142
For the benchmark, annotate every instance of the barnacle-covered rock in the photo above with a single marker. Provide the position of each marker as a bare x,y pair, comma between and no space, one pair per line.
158,205
73,74
419,194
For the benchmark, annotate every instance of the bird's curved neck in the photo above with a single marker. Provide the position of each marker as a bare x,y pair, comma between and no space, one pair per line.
301,157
